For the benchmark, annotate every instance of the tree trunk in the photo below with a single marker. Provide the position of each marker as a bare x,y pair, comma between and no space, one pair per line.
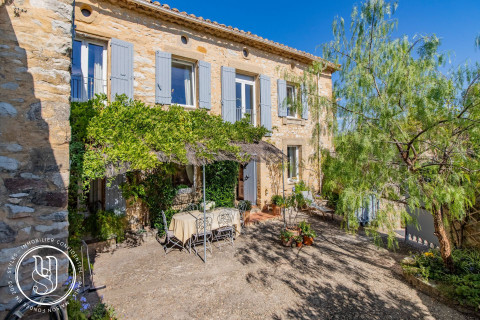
441,233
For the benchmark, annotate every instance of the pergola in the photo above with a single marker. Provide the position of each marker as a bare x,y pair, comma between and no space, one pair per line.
260,151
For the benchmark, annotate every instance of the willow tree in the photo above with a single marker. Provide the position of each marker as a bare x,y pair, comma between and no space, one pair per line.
410,133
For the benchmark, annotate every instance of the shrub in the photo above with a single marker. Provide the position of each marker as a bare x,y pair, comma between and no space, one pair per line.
221,179
463,285
106,224
277,200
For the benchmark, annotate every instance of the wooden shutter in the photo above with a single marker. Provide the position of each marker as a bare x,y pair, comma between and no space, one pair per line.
228,94
121,80
282,97
265,103
304,102
204,85
163,77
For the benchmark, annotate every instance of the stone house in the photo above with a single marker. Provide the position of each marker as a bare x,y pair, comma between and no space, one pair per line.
160,55
56,51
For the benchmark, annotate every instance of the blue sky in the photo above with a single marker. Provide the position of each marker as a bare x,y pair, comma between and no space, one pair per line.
306,24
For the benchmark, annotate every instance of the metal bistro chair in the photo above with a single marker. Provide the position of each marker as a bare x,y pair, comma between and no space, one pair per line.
226,230
170,237
202,233
191,207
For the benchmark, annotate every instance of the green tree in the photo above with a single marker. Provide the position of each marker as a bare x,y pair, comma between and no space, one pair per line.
409,134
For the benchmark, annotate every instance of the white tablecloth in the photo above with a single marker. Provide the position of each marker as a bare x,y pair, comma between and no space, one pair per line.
183,223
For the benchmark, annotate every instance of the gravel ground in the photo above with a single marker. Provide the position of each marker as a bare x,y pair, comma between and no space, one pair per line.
342,276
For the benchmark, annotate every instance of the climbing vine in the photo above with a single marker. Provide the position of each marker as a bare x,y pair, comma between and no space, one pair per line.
129,132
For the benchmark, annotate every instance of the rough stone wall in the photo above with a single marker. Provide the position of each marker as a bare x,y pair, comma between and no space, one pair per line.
35,42
149,33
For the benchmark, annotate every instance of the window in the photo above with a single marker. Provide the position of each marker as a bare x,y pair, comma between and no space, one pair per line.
183,86
89,72
245,97
293,161
291,100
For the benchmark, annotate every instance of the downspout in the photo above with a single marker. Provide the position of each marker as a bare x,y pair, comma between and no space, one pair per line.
283,191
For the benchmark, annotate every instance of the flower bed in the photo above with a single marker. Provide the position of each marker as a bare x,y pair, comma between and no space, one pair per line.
427,272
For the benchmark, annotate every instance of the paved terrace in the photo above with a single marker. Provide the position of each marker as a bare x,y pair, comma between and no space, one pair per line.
342,276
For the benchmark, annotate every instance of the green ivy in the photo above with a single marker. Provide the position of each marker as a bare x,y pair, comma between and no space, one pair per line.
129,131
221,179
106,224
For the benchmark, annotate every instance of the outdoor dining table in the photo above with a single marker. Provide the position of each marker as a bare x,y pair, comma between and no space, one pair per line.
183,223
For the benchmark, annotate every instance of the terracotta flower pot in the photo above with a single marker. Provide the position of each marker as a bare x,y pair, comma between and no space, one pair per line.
247,217
299,244
287,243
308,241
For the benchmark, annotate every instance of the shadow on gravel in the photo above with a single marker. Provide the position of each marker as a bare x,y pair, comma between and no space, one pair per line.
311,273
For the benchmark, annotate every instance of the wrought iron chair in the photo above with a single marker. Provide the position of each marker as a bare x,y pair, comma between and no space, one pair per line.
170,237
204,231
226,230
191,207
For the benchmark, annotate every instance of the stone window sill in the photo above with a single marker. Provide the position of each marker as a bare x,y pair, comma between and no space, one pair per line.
294,121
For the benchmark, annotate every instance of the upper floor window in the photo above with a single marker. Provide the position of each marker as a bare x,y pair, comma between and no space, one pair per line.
291,101
245,97
293,163
183,83
89,72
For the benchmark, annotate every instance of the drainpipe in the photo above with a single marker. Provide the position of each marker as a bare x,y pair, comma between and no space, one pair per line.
283,190
204,220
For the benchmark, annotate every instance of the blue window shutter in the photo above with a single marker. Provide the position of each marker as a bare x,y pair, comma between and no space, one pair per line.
304,102
228,94
204,84
282,97
265,102
121,79
163,77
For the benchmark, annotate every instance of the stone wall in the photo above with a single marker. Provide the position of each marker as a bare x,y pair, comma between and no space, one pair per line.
35,44
149,33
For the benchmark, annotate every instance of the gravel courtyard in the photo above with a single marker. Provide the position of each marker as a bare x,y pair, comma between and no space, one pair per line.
342,276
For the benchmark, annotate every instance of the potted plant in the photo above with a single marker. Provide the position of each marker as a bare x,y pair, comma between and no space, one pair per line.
248,207
307,233
277,202
286,237
299,241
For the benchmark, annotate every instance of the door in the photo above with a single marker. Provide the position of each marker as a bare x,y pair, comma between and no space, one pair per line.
250,182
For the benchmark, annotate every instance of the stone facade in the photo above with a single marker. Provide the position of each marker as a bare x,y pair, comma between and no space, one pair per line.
150,30
35,43
35,90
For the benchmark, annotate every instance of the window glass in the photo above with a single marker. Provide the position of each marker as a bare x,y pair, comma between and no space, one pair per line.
245,97
95,69
292,154
88,70
238,95
248,99
182,83
244,77
290,100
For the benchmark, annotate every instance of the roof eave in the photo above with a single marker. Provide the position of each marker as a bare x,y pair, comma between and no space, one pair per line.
230,32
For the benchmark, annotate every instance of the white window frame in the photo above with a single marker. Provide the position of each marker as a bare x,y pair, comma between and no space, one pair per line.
84,62
297,167
243,82
295,97
193,66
